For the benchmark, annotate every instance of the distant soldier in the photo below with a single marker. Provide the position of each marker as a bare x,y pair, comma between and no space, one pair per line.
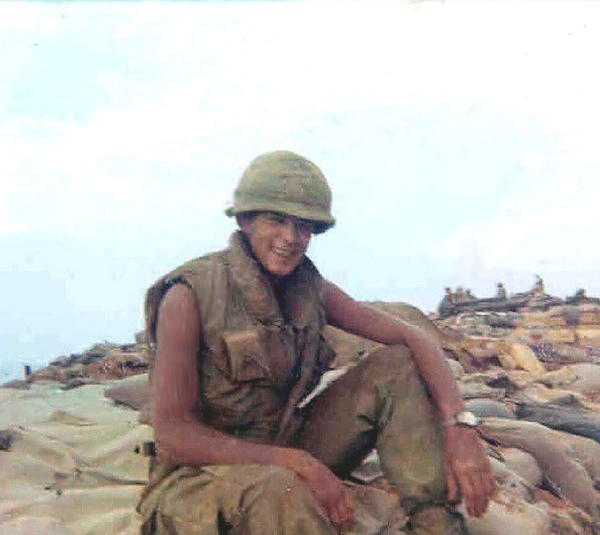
500,291
578,297
538,288
461,295
446,306
580,293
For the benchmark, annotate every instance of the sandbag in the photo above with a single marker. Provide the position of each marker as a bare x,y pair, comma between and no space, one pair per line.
35,525
510,482
411,314
520,378
589,336
541,394
583,378
489,408
470,390
520,356
567,419
561,465
16,384
507,515
5,439
133,392
523,464
456,367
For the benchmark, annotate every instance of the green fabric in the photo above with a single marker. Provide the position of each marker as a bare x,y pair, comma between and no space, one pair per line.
260,500
256,361
249,354
379,403
284,182
247,499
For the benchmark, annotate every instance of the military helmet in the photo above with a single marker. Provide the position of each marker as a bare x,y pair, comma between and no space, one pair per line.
284,182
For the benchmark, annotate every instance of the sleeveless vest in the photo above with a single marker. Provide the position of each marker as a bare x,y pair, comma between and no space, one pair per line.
257,358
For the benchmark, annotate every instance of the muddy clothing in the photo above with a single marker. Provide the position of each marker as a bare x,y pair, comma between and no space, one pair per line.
379,403
257,360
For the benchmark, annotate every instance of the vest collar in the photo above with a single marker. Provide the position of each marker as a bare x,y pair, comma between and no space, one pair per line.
258,291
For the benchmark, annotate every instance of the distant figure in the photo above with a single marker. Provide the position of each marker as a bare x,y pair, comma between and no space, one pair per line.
446,305
538,287
500,291
578,297
461,295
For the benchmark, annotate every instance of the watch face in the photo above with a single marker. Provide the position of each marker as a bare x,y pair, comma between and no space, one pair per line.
467,418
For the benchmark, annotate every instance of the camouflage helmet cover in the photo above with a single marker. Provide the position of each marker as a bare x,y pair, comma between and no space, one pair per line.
284,182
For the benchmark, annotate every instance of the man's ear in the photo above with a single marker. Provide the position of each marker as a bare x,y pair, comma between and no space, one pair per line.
244,220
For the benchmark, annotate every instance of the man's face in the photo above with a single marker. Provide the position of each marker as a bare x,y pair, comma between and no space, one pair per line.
278,241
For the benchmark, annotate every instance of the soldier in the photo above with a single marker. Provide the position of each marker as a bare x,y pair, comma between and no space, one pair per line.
460,295
446,305
238,336
500,291
538,287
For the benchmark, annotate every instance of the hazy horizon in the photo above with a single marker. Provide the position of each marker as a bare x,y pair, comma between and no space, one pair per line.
460,140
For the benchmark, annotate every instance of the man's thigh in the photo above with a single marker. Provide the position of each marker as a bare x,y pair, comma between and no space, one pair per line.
237,499
382,392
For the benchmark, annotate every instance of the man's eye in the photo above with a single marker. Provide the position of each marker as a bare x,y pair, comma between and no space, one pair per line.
304,226
276,218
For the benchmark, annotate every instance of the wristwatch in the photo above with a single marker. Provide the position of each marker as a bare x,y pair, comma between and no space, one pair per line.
463,418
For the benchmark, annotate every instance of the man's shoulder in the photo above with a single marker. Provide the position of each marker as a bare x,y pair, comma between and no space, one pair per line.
204,263
200,274
190,272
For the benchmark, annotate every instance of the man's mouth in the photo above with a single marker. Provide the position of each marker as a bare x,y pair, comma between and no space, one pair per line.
283,253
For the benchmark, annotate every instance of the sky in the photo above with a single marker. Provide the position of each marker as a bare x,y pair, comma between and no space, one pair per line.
460,140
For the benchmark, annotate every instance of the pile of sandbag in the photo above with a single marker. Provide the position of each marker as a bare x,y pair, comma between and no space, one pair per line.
533,377
101,362
535,386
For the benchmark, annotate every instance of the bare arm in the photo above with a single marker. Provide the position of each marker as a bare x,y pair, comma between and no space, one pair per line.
179,434
468,471
181,438
363,320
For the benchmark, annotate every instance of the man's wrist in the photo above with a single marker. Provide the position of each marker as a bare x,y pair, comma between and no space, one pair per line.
296,460
461,418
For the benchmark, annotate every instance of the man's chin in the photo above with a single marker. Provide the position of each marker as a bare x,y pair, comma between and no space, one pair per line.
281,269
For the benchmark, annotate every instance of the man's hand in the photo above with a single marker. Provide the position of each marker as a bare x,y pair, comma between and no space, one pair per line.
330,492
468,471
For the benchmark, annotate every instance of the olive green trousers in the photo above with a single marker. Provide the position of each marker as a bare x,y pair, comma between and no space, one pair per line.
380,403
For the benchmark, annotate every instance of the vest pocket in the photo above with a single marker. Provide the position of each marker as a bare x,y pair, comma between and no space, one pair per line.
245,356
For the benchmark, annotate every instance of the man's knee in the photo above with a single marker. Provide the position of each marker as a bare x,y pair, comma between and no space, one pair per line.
277,481
279,502
393,373
278,488
390,362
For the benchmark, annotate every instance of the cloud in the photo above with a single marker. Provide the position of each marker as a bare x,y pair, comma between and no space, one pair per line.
547,226
215,82
9,225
